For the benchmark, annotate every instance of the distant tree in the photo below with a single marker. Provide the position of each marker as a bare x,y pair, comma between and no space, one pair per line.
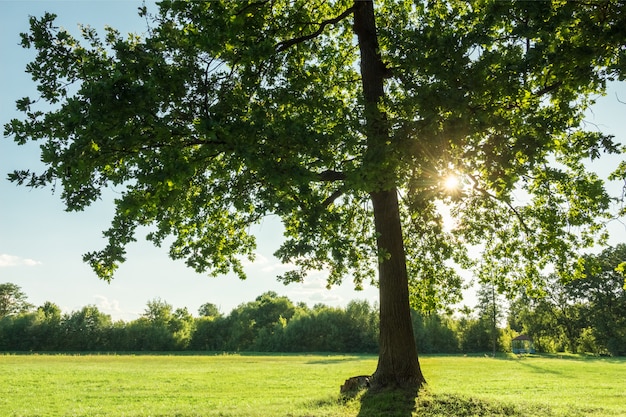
12,300
321,329
259,317
164,328
49,332
473,333
50,311
344,120
491,311
86,329
602,287
579,310
210,333
364,321
158,311
435,333
182,326
571,314
535,317
141,334
209,310
38,330
17,332
119,337
555,320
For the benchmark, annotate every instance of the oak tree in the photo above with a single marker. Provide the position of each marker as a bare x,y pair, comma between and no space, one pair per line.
344,119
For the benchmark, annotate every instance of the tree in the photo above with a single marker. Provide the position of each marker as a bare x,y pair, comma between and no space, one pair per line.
12,300
86,329
435,333
364,319
49,334
256,320
580,310
16,331
602,288
159,312
556,320
182,327
209,310
473,333
342,119
490,311
210,333
322,329
164,327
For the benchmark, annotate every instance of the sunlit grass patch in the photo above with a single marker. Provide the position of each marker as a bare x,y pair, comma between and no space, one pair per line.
566,385
304,386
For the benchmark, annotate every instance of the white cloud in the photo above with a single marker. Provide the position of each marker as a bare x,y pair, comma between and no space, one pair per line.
325,298
258,260
264,264
12,260
111,307
277,266
315,283
313,290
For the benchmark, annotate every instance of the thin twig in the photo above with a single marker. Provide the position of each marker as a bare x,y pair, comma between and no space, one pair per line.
509,205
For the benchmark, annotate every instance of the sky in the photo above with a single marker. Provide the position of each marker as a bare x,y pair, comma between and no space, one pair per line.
41,245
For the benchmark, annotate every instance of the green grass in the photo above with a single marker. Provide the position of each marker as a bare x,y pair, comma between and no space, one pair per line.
568,385
303,385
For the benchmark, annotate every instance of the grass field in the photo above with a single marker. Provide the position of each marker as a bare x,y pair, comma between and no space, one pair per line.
303,385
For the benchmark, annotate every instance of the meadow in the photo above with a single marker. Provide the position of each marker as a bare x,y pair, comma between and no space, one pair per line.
304,385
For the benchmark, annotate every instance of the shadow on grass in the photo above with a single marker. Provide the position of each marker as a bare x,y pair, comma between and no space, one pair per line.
388,403
539,369
337,359
395,403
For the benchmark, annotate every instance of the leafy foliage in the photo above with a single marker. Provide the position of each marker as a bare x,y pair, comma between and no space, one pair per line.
229,111
581,315
12,300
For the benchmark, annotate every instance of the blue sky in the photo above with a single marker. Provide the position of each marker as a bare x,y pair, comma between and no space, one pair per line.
41,245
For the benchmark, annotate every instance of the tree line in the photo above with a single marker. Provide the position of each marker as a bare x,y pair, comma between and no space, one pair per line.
586,314
270,323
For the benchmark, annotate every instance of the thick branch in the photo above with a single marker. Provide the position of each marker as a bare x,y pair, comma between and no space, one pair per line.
331,176
331,198
281,46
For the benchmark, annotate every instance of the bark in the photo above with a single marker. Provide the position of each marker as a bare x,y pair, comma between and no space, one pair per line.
398,364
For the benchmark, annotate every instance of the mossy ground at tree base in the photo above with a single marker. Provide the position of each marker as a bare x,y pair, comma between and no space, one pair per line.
406,403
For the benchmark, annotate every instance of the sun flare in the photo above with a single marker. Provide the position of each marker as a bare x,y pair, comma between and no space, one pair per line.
451,182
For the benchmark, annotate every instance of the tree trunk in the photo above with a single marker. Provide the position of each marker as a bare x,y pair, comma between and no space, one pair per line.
398,365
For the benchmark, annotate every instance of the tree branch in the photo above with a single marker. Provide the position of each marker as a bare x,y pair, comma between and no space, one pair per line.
282,46
548,88
251,5
331,198
509,205
331,176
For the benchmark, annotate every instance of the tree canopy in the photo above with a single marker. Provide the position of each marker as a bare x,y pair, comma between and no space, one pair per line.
12,300
343,119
